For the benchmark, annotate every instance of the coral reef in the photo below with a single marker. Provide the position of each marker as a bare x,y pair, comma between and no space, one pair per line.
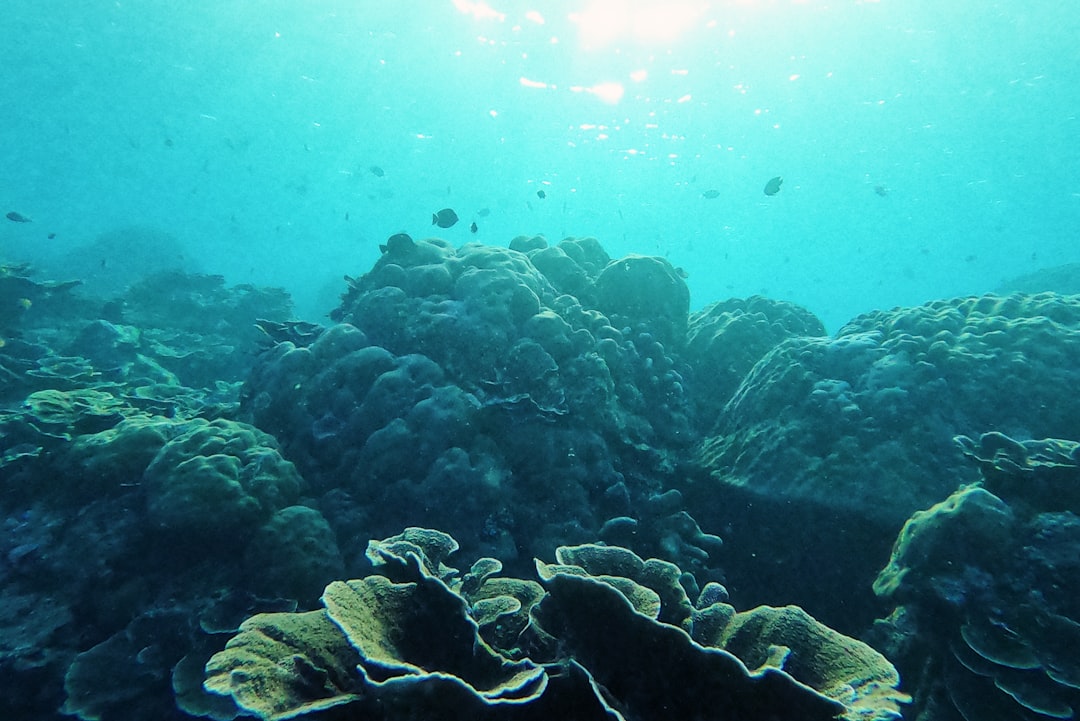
460,388
847,436
987,621
725,339
537,401
609,626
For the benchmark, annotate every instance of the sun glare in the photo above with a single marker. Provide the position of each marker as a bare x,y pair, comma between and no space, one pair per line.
479,10
602,23
607,34
610,93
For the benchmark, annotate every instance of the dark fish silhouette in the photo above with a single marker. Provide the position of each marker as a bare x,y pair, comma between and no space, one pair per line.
398,243
773,186
711,194
18,217
473,228
445,218
881,190
541,194
484,212
377,171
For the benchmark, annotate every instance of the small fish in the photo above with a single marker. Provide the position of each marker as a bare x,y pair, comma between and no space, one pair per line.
445,218
484,212
24,303
376,171
541,194
18,218
881,190
398,243
773,186
473,228
52,235
711,194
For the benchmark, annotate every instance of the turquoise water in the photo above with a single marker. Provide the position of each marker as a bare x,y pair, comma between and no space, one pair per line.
179,452
928,149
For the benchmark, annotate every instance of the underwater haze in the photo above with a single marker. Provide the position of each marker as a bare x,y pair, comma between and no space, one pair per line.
927,149
588,360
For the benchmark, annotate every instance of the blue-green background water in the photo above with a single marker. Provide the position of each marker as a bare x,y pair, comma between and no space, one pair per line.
246,131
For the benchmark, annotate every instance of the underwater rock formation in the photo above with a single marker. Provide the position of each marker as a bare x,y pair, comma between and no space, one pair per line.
987,622
614,636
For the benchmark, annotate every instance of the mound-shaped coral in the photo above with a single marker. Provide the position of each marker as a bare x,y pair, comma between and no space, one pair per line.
645,289
461,388
893,382
850,435
218,479
725,340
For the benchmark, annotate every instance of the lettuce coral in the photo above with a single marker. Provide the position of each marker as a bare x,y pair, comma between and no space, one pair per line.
406,645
